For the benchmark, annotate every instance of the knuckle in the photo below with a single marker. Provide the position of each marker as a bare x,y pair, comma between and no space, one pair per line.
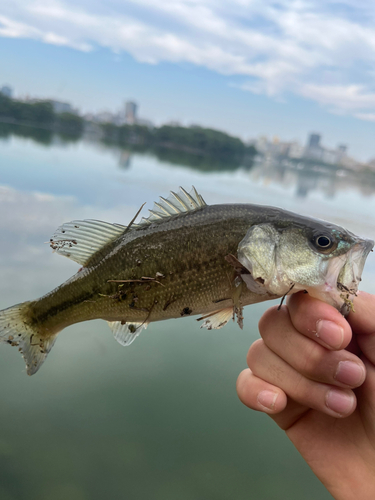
298,303
275,374
301,390
242,383
242,379
311,362
274,320
254,352
268,319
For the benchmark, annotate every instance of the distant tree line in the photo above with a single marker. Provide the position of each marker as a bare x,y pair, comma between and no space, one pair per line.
191,141
39,114
202,148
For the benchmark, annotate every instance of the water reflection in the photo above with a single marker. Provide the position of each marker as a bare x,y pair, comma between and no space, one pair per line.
181,158
40,135
304,176
125,159
98,419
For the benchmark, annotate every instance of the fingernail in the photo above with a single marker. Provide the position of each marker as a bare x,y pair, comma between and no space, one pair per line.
339,402
267,399
350,373
330,333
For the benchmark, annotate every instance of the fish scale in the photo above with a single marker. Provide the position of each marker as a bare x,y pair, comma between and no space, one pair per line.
185,259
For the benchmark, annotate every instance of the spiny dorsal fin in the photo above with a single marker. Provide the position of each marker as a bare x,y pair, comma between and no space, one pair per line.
126,333
175,204
79,240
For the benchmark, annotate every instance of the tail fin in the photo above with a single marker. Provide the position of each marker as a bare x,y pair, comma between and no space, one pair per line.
15,331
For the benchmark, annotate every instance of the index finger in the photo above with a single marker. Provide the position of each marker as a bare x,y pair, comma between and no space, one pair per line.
362,321
319,321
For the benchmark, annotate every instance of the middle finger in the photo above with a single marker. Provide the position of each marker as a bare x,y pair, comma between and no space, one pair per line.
312,360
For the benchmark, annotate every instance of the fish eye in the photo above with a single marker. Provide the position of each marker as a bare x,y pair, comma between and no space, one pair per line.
323,242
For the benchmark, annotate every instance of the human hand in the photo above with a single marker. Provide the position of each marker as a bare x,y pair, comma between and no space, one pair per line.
313,372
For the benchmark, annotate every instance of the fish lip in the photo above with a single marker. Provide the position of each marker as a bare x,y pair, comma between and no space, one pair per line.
354,262
343,277
369,245
364,246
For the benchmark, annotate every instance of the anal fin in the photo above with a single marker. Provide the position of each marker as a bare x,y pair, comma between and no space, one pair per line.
217,319
126,333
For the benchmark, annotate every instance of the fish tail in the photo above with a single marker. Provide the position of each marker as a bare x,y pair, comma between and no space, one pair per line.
16,331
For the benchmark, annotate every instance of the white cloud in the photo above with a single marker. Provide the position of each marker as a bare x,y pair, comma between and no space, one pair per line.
370,117
319,50
341,97
14,29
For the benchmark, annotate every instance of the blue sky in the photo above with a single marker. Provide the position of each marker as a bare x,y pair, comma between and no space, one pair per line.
249,67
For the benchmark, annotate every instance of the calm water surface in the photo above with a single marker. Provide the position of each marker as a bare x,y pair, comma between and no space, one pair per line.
161,419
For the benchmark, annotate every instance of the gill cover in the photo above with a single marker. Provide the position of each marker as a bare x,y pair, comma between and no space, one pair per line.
257,253
280,258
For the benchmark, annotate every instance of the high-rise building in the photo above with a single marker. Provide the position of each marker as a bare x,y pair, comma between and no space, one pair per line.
130,112
314,141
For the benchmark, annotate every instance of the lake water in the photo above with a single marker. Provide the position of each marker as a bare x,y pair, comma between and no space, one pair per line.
161,419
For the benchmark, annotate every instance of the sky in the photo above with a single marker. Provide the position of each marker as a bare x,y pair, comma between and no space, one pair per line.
250,67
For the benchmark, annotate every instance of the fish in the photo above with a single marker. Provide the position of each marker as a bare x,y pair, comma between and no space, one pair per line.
186,258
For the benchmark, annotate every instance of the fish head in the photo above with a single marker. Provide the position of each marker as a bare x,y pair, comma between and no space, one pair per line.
306,254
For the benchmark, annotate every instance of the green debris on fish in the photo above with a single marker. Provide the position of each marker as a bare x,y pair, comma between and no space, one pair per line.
187,258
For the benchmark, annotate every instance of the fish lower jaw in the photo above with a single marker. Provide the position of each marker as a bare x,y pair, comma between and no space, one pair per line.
335,295
342,301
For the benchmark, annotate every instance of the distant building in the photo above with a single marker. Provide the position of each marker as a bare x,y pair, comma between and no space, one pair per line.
341,153
329,156
351,163
314,150
314,141
262,144
105,117
7,91
296,151
130,112
61,107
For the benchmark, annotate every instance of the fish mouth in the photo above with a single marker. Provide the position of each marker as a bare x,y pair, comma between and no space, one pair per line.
349,275
351,272
343,277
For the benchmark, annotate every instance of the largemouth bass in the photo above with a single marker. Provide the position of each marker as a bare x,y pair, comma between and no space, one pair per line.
186,258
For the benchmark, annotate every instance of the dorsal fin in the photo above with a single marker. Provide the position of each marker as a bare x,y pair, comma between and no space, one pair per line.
175,204
79,240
